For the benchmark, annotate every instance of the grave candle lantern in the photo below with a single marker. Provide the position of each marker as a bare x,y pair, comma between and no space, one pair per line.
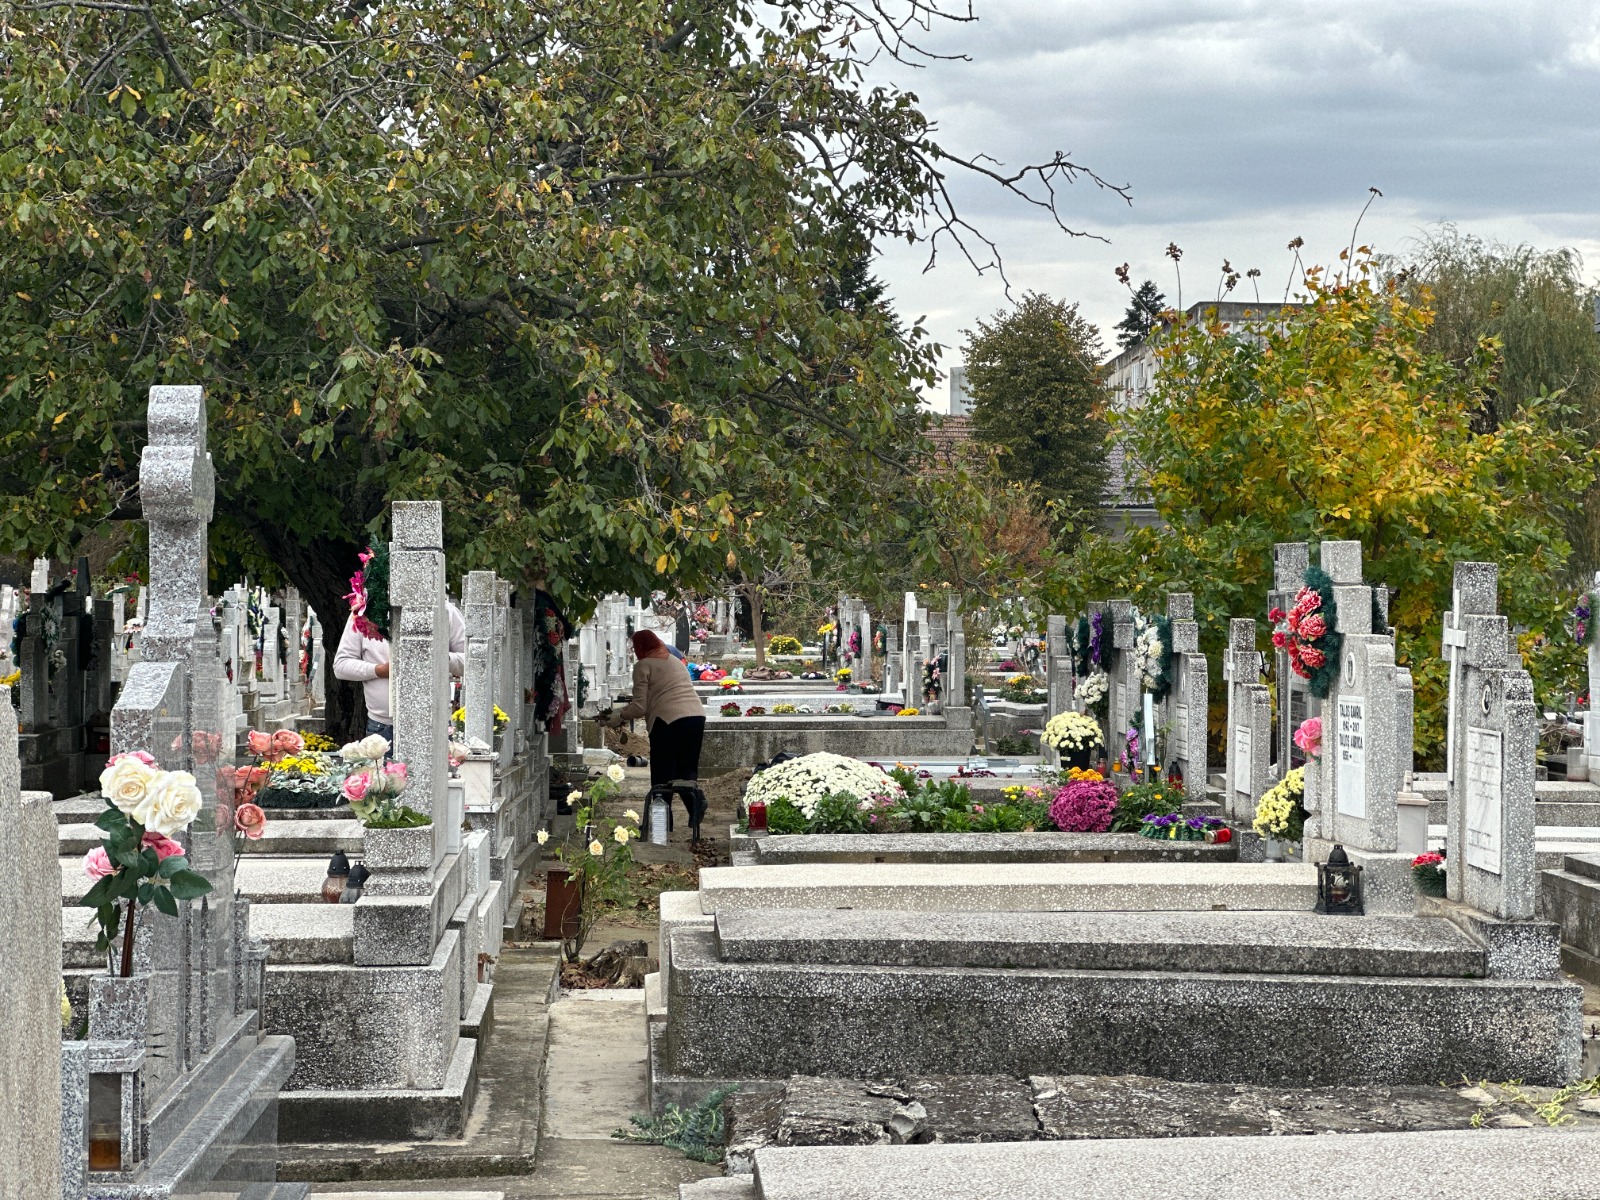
1339,885
338,875
758,816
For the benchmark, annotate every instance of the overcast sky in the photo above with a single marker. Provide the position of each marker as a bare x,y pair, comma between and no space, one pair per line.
1239,125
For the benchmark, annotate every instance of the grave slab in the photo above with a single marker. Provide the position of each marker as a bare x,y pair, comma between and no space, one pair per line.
1442,1165
985,848
1027,887
1227,943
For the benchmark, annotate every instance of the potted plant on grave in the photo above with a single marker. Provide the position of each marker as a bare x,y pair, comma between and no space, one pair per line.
1074,736
395,836
1281,815
594,865
289,774
1428,873
138,865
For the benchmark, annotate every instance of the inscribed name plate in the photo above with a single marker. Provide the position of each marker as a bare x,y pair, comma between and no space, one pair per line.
1352,760
1180,732
1485,768
1242,758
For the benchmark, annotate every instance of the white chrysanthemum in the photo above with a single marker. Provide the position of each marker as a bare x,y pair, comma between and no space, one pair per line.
1071,731
1091,689
804,781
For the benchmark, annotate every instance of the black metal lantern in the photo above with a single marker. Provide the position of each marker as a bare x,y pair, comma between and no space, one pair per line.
1339,885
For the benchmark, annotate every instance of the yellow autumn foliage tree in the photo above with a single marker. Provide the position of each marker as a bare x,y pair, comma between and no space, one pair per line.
1331,421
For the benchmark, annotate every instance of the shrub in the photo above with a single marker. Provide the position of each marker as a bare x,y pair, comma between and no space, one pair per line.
784,644
1084,807
1142,800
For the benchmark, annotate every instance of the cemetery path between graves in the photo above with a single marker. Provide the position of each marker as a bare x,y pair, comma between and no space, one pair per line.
557,1078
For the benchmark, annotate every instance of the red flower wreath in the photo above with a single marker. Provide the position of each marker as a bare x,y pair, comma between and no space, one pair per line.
1299,630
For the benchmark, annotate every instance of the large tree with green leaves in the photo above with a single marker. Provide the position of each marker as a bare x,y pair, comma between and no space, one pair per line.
571,268
1539,309
1039,398
1334,420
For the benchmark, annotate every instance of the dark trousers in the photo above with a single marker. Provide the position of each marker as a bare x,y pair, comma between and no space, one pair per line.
675,749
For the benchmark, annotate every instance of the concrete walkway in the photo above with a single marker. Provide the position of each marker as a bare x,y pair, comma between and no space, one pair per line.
593,1081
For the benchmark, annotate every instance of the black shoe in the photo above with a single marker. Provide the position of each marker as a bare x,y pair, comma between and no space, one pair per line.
695,801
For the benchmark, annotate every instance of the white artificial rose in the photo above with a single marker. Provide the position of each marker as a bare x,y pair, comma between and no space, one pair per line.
170,803
543,835
373,746
615,773
620,833
574,796
126,783
631,815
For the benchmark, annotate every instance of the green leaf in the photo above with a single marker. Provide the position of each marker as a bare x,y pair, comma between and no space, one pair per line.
171,865
100,893
165,902
147,891
111,819
188,885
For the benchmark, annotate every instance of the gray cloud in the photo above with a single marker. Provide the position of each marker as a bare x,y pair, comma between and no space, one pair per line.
1240,125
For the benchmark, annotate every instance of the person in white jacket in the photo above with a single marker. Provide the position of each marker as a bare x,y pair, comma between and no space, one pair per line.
365,660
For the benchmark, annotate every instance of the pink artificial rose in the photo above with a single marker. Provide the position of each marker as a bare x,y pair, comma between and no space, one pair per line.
249,820
147,759
287,741
164,846
1309,736
396,771
1279,638
260,743
355,786
97,863
1313,627
1312,657
224,815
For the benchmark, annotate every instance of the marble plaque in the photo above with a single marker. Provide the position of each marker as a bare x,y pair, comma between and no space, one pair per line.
1180,732
1485,773
1242,758
1352,757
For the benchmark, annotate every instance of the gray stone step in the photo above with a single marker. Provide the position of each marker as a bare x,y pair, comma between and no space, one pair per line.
1025,887
1578,814
1444,1165
985,848
1224,942
727,1187
1585,865
731,1021
303,934
281,837
260,878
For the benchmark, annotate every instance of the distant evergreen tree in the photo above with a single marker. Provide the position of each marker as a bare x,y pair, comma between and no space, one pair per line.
1140,319
1038,396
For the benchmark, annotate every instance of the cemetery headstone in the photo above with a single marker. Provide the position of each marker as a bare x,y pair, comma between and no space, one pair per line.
1249,721
1186,702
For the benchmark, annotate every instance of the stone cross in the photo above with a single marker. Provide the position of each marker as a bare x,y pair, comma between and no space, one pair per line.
1591,719
1289,563
31,1153
864,623
1185,705
294,621
419,685
1493,732
1249,720
1124,683
40,580
177,487
504,667
1058,667
477,685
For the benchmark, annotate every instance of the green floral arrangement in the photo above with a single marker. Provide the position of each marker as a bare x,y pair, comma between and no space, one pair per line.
1143,800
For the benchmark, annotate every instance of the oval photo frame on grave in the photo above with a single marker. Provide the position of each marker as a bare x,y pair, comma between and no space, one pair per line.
1484,701
1350,670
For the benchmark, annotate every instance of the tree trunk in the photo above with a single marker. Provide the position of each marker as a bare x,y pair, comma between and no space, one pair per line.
752,592
321,570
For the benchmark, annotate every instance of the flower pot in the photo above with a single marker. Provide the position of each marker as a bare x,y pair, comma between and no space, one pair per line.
1077,758
398,849
119,1008
563,902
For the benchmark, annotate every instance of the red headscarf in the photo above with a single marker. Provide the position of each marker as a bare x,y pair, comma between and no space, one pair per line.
646,643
